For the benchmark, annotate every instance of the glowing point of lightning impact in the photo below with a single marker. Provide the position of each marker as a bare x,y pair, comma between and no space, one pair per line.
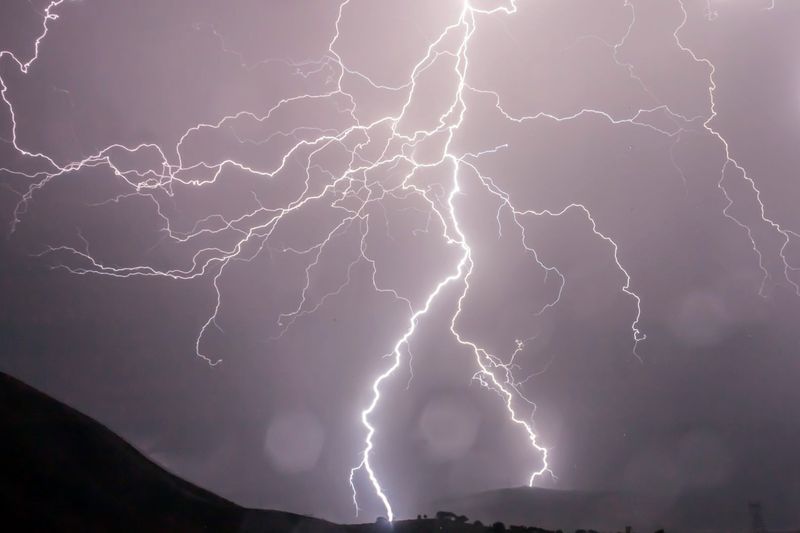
352,194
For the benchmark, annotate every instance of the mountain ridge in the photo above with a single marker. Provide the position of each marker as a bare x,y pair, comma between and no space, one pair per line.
64,471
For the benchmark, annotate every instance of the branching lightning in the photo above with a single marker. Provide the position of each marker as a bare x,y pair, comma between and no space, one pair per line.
357,195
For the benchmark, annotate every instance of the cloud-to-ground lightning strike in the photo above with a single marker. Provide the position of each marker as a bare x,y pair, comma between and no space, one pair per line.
353,193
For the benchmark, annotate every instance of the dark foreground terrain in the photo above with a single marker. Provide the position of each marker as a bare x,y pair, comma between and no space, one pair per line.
62,471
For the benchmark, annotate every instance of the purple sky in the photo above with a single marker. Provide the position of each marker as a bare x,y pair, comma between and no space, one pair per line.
294,239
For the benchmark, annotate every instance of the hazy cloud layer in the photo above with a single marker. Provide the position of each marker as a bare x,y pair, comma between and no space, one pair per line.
713,401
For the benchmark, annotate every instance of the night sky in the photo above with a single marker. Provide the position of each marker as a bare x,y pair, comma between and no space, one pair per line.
224,296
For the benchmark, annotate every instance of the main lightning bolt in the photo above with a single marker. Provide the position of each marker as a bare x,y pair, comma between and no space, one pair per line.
357,194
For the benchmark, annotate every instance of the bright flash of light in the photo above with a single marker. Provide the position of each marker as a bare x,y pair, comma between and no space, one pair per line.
351,193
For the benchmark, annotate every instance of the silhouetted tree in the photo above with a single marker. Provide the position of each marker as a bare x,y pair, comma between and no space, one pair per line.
445,515
498,527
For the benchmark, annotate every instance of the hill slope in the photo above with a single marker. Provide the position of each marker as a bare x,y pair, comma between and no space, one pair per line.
62,471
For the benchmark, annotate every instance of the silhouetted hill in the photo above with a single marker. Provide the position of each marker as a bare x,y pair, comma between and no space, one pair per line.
62,471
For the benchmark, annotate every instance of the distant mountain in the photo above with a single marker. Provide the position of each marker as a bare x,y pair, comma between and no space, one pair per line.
694,510
556,509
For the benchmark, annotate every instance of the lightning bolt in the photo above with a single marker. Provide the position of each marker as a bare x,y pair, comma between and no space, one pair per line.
785,234
357,194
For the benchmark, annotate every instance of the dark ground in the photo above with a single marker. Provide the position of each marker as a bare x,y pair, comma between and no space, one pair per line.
62,471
